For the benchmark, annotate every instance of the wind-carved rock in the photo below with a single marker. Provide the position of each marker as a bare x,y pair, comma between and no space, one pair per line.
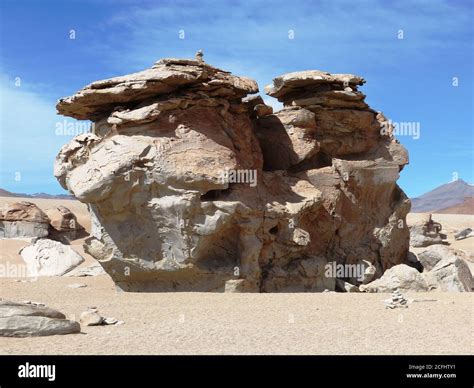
192,187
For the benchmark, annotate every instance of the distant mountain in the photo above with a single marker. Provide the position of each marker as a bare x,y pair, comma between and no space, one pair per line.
443,197
6,193
467,207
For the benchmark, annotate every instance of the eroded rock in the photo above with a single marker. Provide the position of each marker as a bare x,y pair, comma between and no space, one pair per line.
50,258
23,219
400,277
63,224
193,188
447,269
29,320
427,232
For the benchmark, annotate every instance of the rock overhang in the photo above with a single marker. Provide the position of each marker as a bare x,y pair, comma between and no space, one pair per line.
151,170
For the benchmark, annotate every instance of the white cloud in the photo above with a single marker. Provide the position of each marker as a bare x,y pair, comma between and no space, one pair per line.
28,141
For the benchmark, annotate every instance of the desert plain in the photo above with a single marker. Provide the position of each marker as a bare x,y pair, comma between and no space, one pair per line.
241,323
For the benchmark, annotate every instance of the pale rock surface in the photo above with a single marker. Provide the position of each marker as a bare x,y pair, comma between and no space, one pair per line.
401,277
346,286
451,274
426,233
29,320
63,224
430,257
91,317
316,181
50,258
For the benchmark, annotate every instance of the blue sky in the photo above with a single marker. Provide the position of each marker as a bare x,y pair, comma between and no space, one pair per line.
409,79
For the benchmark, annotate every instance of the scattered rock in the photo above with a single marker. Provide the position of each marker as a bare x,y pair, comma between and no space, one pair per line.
49,258
450,274
346,287
23,219
435,253
397,300
444,269
369,272
401,277
465,233
427,233
91,317
63,224
31,320
110,321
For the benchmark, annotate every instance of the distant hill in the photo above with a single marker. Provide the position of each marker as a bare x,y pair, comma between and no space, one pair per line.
6,193
466,207
444,197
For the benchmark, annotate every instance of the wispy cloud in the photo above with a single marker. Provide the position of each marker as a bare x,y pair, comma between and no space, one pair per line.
29,142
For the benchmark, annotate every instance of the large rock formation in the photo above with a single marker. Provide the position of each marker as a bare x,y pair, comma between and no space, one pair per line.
190,186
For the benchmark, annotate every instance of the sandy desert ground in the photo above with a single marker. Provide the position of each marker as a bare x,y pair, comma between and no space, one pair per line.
198,323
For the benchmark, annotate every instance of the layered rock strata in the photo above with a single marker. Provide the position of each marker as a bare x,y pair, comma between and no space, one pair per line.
193,187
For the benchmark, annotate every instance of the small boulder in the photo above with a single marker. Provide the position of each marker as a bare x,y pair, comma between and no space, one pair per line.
465,233
435,253
420,241
239,285
450,274
91,317
110,321
23,219
369,272
63,224
426,233
401,277
343,286
49,258
30,320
